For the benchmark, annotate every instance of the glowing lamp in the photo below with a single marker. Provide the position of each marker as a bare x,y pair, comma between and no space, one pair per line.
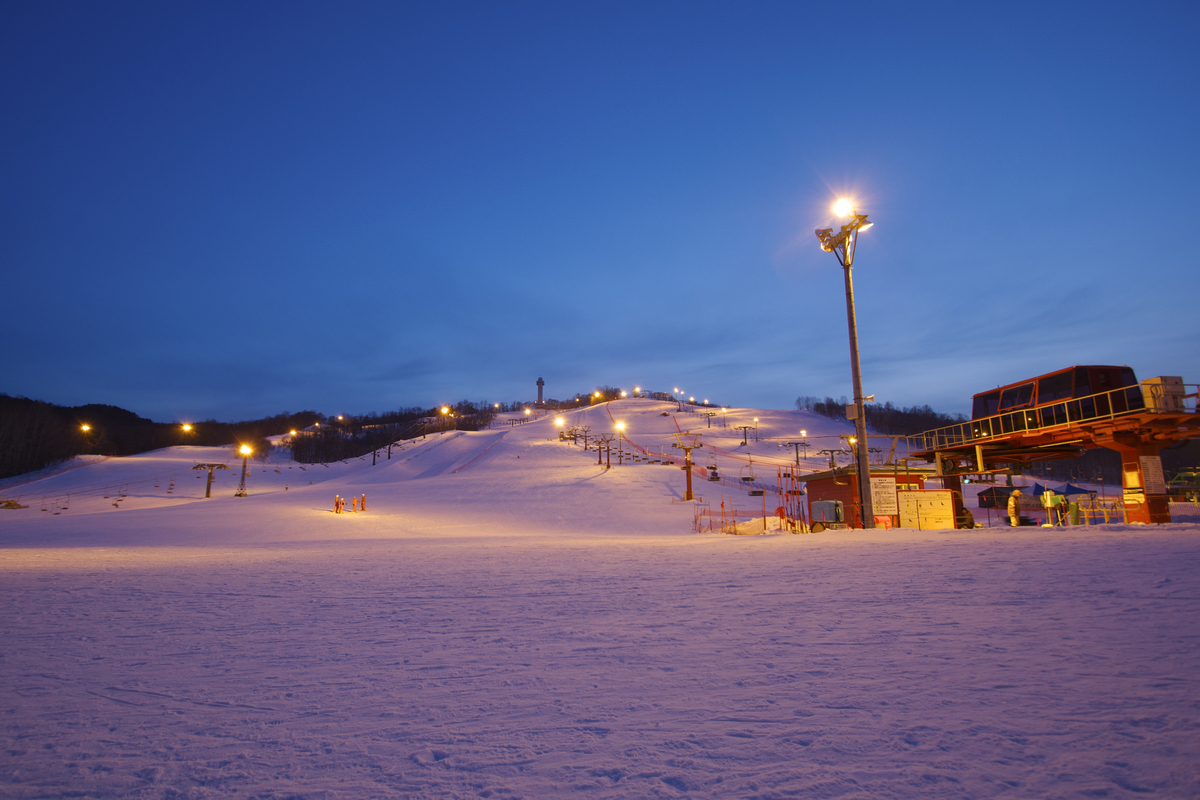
245,450
843,207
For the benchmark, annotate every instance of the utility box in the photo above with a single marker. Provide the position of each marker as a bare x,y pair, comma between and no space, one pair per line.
1164,394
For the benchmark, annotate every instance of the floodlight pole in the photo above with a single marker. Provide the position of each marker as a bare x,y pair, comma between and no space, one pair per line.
241,492
842,246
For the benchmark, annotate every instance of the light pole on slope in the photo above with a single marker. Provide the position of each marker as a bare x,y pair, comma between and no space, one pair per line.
842,245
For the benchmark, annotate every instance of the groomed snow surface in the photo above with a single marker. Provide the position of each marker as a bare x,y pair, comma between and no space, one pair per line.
509,620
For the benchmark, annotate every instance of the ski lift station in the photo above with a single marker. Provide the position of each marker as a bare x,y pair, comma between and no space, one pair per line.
1063,413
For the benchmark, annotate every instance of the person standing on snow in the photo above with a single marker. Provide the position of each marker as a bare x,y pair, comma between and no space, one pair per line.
1014,507
363,505
337,504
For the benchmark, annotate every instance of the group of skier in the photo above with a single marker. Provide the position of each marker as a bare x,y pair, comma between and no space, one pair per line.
339,504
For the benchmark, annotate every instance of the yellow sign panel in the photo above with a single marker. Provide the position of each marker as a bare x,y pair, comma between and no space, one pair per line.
929,510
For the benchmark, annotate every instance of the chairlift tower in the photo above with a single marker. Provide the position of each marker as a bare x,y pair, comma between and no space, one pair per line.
604,447
745,429
210,468
687,442
797,445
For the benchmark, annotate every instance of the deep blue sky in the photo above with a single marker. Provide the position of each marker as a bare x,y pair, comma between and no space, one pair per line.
236,209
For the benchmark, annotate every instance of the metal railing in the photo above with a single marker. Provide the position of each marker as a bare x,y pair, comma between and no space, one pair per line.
1105,405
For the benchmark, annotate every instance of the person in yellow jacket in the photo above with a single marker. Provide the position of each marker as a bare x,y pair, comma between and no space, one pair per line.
1014,507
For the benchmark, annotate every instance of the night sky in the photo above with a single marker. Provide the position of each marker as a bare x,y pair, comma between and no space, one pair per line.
235,209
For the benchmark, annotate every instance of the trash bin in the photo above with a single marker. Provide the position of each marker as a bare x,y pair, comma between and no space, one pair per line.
1073,513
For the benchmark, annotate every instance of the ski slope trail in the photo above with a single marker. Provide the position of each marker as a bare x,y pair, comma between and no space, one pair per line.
510,618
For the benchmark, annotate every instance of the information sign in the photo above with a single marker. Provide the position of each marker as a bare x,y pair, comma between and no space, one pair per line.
928,510
883,496
1152,475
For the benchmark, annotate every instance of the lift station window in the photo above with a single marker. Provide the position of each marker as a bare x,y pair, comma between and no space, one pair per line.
1016,397
986,405
1055,387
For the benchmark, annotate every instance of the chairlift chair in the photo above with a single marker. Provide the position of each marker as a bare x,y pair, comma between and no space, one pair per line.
748,475
711,466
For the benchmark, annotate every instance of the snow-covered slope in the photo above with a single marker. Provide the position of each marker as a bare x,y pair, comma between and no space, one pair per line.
508,619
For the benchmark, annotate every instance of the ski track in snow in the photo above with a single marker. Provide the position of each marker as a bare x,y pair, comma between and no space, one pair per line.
534,626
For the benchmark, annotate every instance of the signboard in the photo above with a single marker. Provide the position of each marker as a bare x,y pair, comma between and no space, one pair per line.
883,496
928,510
1152,475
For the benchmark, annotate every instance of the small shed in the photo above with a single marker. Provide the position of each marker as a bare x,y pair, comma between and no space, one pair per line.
841,484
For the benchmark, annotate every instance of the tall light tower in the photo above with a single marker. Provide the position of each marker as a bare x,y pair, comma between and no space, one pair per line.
245,451
842,245
540,384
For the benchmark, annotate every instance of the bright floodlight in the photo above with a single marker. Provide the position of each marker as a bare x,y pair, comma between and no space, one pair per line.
339,416
85,428
843,207
620,426
527,411
293,433
558,421
804,433
245,450
444,411
187,427
622,394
